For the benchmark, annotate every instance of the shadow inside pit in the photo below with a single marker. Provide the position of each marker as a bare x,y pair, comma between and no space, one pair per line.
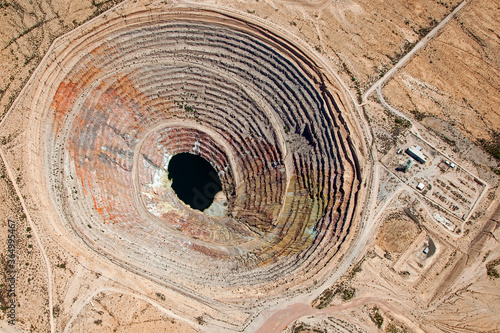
194,180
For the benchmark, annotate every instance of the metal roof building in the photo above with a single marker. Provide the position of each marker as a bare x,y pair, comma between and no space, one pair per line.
416,153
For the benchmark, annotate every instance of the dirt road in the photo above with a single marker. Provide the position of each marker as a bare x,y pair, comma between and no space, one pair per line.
410,54
37,238
281,319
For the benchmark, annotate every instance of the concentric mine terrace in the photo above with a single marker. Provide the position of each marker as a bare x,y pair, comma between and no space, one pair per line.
121,100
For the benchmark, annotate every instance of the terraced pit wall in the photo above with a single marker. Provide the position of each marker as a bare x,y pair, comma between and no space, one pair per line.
112,104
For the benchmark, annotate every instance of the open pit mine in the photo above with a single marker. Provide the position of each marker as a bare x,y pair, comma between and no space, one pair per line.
113,106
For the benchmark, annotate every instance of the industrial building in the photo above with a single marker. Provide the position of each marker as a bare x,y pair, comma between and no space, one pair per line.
416,153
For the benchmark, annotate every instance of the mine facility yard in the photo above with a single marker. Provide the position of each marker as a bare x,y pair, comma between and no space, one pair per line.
250,166
443,183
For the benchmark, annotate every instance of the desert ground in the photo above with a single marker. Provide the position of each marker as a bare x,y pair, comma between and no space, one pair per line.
357,144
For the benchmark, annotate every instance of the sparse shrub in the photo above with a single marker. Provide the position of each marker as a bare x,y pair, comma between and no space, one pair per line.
348,293
200,320
493,273
404,273
376,317
160,296
298,328
491,269
325,298
401,124
418,115
392,328
56,310
356,269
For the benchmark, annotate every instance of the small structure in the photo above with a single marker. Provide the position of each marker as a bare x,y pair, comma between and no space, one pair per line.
444,221
399,151
416,153
420,186
450,164
444,165
426,250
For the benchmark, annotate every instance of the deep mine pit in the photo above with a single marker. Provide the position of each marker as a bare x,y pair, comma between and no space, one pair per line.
135,93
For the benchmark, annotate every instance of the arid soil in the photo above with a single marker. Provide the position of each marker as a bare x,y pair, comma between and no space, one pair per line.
360,39
26,278
456,77
28,29
111,312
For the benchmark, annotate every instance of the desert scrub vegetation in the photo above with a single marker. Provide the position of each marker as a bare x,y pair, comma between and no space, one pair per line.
345,291
492,146
376,317
491,269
